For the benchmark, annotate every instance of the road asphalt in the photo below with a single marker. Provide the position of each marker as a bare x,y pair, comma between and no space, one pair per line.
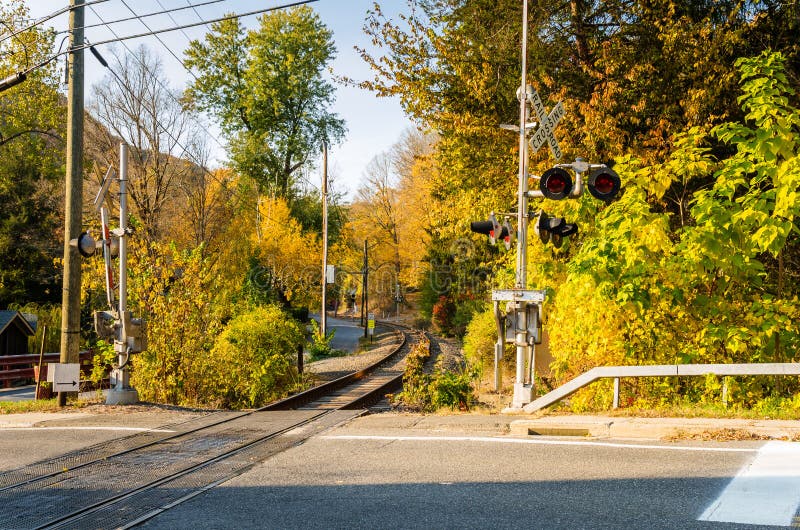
399,470
460,470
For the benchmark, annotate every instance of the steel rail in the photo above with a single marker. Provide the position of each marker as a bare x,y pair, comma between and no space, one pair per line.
77,514
355,377
313,394
289,403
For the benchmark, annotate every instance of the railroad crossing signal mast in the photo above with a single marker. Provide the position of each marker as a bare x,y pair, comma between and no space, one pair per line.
116,325
520,320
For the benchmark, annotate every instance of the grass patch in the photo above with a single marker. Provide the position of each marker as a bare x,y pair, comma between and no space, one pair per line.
688,410
41,405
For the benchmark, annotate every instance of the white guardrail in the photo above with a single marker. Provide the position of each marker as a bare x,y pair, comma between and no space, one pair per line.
658,370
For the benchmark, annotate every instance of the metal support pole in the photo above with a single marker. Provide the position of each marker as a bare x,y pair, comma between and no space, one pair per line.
523,394
725,392
323,316
364,288
121,392
71,296
615,404
498,346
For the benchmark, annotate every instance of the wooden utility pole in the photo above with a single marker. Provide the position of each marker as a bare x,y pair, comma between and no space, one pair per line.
71,296
323,315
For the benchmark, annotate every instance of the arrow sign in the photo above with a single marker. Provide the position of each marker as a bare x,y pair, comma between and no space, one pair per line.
548,124
64,377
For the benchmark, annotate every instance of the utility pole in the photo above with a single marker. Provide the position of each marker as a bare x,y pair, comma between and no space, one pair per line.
71,296
323,316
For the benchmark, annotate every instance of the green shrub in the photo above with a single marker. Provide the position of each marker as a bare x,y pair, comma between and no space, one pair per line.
253,360
451,389
429,392
103,359
480,339
320,347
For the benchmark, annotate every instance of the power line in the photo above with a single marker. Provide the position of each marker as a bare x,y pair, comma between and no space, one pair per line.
175,21
169,50
194,8
48,17
152,74
165,30
147,15
202,22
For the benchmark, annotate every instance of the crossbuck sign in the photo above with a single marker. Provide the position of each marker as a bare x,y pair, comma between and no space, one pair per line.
546,126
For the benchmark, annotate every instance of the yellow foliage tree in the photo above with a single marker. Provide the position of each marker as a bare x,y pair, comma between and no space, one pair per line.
290,260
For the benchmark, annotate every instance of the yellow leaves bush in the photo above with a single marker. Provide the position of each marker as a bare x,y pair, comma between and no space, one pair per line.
254,359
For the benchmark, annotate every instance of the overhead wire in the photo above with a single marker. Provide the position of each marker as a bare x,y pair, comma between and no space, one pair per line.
156,32
164,30
152,74
158,38
201,23
50,16
147,15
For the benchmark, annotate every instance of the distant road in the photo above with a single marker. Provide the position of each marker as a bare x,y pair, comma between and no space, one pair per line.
347,333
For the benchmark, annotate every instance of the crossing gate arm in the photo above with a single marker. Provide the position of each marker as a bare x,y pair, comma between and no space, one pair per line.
659,370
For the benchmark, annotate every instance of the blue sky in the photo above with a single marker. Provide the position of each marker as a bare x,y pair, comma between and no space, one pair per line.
374,124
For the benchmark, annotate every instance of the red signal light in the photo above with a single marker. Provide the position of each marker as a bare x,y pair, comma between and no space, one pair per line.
604,184
556,183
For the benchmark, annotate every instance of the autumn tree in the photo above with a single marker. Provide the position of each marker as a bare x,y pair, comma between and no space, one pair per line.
631,75
31,164
133,104
265,87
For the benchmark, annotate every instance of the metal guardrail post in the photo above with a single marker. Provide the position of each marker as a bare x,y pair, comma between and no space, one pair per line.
615,404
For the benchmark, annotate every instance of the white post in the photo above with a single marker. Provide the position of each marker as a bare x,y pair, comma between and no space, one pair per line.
123,224
523,394
121,392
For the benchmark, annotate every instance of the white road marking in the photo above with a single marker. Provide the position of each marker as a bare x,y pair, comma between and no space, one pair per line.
82,428
765,492
535,441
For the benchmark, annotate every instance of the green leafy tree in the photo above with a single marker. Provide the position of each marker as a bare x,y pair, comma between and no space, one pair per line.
31,165
266,88
719,290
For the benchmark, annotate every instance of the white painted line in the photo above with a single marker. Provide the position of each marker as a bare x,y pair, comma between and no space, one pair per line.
81,428
535,441
765,492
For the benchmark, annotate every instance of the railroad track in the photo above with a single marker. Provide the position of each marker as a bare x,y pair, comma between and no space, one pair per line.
124,482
